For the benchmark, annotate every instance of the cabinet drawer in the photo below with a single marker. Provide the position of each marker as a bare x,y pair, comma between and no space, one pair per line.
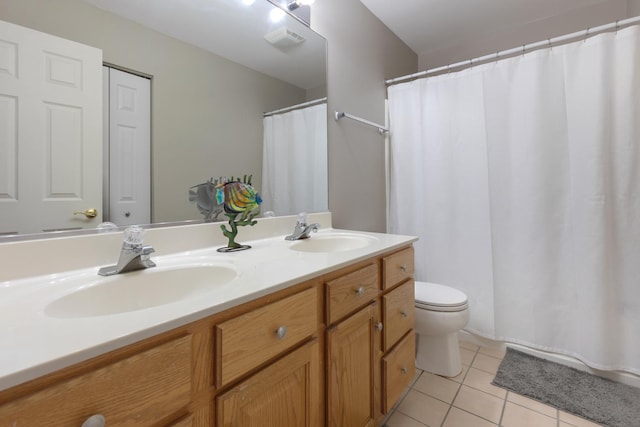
352,291
398,313
247,341
139,390
398,371
397,268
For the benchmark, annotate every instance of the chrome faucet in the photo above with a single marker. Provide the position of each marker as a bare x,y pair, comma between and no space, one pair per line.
302,230
133,256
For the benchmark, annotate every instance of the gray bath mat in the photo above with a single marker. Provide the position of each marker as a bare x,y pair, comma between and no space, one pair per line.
600,400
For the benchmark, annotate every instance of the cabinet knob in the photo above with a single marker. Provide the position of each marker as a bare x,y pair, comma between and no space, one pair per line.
403,267
379,326
360,291
281,332
404,370
403,313
94,421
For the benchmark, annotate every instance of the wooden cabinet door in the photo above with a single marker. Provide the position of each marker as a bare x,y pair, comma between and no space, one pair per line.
284,394
352,370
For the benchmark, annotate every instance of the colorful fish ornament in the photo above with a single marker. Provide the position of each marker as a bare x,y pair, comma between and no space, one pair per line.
237,197
241,204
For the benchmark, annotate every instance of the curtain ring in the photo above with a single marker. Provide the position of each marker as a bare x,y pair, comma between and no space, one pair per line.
523,49
586,35
617,26
549,44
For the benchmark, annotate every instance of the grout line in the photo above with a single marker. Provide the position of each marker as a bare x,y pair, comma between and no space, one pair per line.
504,407
459,387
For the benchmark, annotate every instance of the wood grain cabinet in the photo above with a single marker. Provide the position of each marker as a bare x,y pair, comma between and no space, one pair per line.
353,370
140,390
398,317
284,394
337,350
370,339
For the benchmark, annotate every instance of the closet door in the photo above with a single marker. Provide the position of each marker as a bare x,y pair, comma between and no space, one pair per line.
129,141
50,132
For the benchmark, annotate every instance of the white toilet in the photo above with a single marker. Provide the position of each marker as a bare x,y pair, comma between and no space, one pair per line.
441,311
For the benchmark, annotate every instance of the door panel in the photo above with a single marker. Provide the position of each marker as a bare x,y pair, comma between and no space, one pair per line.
129,148
50,133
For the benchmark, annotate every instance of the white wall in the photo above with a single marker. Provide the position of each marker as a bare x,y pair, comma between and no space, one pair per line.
362,53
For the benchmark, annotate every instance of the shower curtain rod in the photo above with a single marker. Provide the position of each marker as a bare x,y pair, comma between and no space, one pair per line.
522,49
339,115
295,107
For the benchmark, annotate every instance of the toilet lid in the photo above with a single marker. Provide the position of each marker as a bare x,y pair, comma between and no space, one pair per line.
433,294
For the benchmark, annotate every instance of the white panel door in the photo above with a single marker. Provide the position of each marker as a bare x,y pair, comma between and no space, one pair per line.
50,131
129,148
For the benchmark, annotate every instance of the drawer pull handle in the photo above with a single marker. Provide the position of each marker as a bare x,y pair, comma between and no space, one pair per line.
403,267
404,370
360,291
379,326
94,421
281,332
403,313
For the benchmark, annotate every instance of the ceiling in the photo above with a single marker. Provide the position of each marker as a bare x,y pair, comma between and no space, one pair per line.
431,25
233,30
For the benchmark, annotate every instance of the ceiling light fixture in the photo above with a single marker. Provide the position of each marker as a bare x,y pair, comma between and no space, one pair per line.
297,3
277,14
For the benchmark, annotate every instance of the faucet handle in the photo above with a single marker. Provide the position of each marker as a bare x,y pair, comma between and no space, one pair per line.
133,235
302,219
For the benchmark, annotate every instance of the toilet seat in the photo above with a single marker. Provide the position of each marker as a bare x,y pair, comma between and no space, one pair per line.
435,297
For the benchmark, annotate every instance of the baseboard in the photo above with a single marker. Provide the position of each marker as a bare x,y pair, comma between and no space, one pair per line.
618,376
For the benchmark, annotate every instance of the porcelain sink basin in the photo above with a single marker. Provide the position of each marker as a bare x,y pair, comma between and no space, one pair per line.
334,242
139,290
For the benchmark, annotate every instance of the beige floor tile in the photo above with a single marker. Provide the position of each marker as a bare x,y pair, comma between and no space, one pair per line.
532,404
575,420
423,408
479,403
435,386
459,418
486,363
466,356
468,345
458,378
497,352
401,420
481,380
519,416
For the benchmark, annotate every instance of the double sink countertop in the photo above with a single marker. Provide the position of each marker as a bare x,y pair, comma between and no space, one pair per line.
56,318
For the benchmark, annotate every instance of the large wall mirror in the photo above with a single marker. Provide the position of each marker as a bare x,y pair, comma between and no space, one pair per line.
215,68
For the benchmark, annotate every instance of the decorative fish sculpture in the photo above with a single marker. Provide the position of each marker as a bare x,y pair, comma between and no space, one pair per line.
204,196
237,197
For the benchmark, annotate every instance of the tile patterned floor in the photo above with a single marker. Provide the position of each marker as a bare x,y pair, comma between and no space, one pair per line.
469,400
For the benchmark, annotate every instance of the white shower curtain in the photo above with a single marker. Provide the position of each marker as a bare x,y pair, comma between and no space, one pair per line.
294,161
522,180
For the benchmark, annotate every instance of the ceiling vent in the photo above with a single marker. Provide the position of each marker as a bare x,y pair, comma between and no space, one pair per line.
284,37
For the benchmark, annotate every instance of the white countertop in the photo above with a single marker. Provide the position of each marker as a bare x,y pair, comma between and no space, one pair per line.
33,343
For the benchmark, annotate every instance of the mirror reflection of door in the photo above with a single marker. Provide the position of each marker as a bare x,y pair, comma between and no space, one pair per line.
127,180
50,127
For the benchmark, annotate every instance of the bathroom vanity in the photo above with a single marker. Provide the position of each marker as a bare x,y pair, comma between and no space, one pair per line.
308,333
